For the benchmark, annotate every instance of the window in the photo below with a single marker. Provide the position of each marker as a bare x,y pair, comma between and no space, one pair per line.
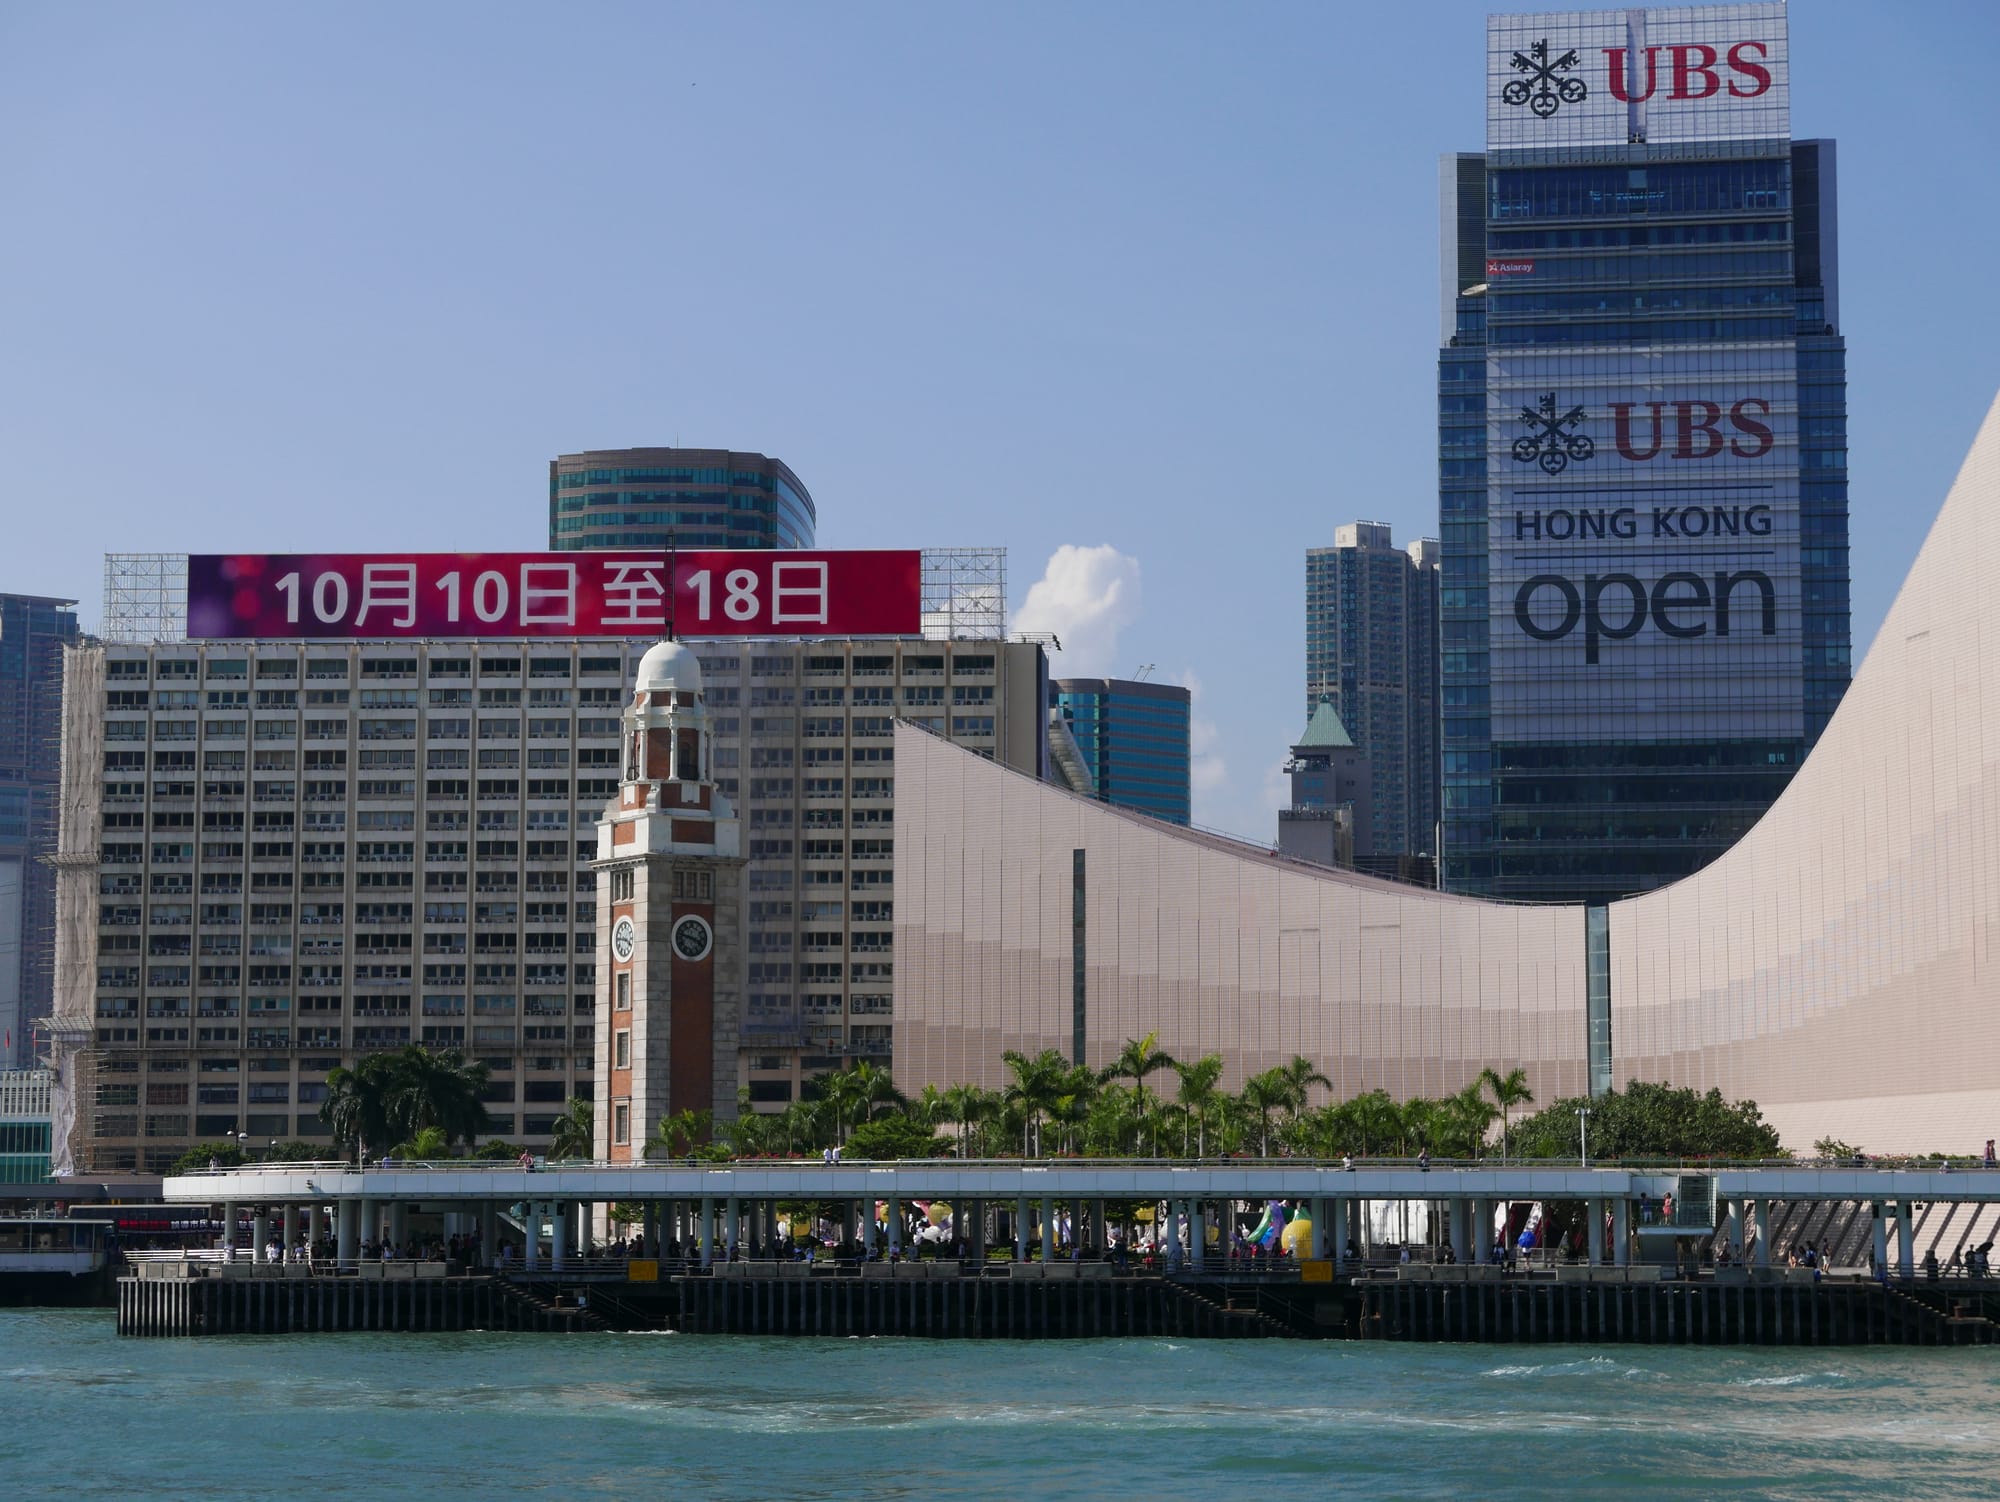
621,1120
621,1057
623,982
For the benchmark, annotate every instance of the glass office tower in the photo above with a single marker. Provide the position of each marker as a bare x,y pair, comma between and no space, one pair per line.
34,629
1642,452
1371,650
1135,738
695,498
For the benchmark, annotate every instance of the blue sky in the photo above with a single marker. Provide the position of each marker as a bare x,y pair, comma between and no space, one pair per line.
1159,279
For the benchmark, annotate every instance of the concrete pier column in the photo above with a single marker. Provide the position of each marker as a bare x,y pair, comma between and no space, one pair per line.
649,1229
345,1218
371,1223
1048,1218
1100,1229
1021,1229
706,1230
399,1227
1336,1232
489,1232
1881,1233
1762,1210
1906,1241
1482,1229
1197,1234
288,1229
315,1225
731,1226
260,1233
1593,1226
977,1239
1621,1232
895,1225
559,1234
1732,1226
228,1237
531,1236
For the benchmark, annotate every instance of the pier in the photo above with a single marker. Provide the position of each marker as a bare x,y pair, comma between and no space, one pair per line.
1643,1276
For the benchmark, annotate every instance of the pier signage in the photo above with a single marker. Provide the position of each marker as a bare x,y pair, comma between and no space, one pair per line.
581,594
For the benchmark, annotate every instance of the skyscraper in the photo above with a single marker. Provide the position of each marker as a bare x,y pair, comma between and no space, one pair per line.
1642,451
33,632
1371,649
1135,741
697,498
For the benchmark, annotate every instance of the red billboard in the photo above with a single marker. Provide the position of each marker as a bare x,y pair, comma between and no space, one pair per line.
376,595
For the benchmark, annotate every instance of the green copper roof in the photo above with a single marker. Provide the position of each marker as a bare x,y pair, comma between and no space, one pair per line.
1324,731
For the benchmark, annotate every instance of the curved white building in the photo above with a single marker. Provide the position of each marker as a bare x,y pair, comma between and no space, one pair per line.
1838,965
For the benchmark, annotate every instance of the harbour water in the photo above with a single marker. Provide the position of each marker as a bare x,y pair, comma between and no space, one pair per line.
638,1416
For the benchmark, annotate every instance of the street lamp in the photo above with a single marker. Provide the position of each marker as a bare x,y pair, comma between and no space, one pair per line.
1583,1132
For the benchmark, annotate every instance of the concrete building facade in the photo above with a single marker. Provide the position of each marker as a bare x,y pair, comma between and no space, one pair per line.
1837,965
284,855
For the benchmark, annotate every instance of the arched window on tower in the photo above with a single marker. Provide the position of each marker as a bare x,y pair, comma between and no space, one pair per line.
687,756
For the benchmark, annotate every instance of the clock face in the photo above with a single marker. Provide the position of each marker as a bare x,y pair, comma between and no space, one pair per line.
624,938
692,938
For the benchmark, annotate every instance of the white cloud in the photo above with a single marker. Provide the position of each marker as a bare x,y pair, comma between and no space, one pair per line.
1086,596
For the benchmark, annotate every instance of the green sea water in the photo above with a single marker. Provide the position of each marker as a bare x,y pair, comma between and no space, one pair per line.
644,1416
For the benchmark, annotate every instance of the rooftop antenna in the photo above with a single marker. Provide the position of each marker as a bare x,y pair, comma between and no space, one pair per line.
1144,669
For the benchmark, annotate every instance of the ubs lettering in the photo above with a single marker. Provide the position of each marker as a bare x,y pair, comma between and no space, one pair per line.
1691,430
1693,71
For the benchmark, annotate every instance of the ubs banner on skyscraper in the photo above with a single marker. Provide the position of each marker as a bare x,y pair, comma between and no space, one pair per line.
1643,544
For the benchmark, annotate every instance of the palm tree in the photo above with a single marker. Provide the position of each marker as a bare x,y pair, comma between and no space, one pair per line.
1471,1116
357,1105
1300,1076
437,1089
1075,1092
575,1134
1200,1087
1137,1059
1037,1086
428,1146
1508,1091
681,1131
1263,1094
1376,1119
967,1106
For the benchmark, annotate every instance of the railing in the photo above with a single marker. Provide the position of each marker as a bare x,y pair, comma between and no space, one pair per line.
1641,1166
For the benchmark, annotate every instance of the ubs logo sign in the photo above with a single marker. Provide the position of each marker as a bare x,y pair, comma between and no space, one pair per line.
1553,440
1543,91
1671,430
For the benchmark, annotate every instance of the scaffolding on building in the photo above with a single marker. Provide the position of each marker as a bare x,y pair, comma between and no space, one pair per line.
145,597
965,594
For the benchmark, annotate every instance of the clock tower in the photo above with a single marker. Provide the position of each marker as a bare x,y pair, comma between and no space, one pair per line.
670,968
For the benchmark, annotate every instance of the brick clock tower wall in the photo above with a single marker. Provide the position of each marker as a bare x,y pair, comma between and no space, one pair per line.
670,878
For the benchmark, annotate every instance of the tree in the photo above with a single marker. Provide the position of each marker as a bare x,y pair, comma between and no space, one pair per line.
428,1146
390,1097
575,1134
890,1137
1139,1058
681,1132
494,1150
1652,1121
1199,1093
1263,1094
209,1154
1466,1119
1037,1086
1508,1091
1300,1076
